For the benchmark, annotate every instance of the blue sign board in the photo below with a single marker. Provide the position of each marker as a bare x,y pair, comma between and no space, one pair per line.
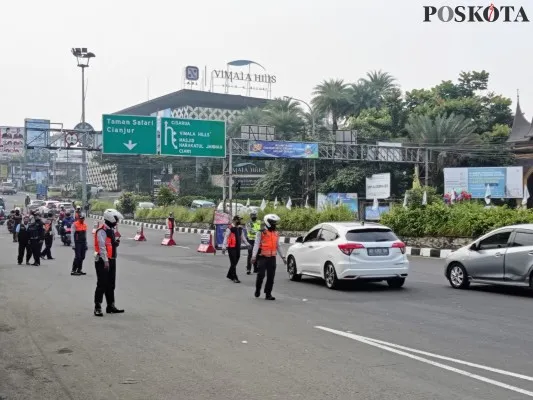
276,149
37,133
479,178
349,200
375,215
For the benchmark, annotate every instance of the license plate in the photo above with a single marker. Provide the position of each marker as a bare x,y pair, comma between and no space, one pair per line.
379,251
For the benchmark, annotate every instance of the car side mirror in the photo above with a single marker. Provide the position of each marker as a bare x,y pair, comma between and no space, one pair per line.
474,247
299,239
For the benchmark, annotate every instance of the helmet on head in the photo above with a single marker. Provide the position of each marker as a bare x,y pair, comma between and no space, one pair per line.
253,214
112,216
78,208
271,220
67,214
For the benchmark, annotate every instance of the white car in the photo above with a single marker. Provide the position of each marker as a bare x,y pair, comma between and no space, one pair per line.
349,251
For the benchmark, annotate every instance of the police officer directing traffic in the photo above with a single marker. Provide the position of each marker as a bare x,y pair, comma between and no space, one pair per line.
233,238
105,246
24,240
79,244
265,251
252,228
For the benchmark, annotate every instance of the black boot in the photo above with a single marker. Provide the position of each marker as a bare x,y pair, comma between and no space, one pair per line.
98,310
113,310
269,297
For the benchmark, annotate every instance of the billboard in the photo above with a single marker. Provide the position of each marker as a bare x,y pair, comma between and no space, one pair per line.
375,215
37,132
349,200
276,149
11,141
504,182
378,186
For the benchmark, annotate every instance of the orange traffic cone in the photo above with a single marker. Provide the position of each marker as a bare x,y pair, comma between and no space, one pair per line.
206,244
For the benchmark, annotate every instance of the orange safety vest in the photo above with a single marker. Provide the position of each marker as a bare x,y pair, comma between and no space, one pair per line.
232,239
80,227
108,243
269,243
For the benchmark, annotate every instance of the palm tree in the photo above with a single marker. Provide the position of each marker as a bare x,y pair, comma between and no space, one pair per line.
249,116
331,98
381,82
447,134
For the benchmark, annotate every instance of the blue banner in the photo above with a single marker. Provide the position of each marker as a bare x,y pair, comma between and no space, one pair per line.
375,215
479,178
347,199
276,149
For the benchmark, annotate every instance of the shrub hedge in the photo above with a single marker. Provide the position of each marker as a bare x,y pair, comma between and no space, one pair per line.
467,219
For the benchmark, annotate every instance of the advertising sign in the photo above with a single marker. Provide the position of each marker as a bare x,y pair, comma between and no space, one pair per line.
37,133
378,186
504,182
276,149
349,200
11,141
375,215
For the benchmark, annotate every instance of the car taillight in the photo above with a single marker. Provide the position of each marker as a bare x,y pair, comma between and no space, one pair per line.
348,248
399,245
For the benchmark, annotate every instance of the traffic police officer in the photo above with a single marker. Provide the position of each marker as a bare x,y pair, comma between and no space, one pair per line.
233,238
266,248
79,244
252,228
105,246
24,240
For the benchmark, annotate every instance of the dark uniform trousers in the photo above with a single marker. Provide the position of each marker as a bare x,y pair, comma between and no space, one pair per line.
265,265
48,241
36,245
105,281
249,261
234,254
80,249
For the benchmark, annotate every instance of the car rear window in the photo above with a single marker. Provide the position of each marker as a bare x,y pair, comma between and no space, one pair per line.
371,235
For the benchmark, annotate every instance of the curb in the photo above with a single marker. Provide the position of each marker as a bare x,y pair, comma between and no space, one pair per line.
410,251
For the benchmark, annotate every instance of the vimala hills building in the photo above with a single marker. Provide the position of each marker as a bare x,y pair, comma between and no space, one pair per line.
521,140
186,103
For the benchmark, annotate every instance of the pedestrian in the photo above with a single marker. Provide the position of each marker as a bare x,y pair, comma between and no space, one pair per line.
48,225
79,244
27,202
234,237
252,228
77,213
24,240
266,248
36,236
105,246
17,219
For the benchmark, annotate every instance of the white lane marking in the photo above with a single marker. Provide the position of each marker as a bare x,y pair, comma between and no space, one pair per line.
425,353
181,247
427,361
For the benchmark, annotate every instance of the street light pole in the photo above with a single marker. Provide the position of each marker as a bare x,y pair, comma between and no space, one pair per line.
83,57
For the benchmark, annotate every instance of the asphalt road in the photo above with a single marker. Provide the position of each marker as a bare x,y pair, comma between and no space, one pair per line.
189,333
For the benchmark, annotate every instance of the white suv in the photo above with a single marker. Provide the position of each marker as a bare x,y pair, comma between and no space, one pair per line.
349,251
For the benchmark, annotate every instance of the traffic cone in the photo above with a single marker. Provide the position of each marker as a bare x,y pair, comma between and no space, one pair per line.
206,244
168,240
139,237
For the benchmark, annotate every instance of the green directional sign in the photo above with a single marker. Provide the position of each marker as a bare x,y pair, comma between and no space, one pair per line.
193,138
129,134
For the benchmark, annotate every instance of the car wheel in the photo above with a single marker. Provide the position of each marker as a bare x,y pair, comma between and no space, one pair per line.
458,276
330,276
292,270
396,283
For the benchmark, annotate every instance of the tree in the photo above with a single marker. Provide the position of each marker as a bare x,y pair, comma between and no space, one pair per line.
165,197
332,98
127,203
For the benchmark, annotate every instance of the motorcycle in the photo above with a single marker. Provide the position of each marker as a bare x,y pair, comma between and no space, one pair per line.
64,233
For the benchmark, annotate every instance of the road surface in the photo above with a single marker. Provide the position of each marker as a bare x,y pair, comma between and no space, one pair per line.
190,333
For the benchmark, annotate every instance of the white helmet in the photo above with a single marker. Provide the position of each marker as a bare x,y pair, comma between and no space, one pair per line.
112,216
271,220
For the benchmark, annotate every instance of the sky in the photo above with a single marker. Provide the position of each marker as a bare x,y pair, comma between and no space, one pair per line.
301,42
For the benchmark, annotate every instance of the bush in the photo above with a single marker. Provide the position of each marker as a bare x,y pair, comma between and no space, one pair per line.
97,205
165,197
468,219
139,198
181,214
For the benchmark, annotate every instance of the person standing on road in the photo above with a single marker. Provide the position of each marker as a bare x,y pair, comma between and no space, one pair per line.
17,218
27,202
233,238
36,236
79,244
266,248
77,213
24,240
48,237
105,247
252,228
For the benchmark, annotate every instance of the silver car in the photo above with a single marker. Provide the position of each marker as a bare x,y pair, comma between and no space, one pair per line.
501,257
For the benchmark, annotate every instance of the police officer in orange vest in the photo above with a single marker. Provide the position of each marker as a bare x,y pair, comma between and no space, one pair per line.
233,238
79,244
105,246
266,248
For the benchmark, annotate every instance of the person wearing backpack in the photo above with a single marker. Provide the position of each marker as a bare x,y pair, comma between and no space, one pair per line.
48,237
